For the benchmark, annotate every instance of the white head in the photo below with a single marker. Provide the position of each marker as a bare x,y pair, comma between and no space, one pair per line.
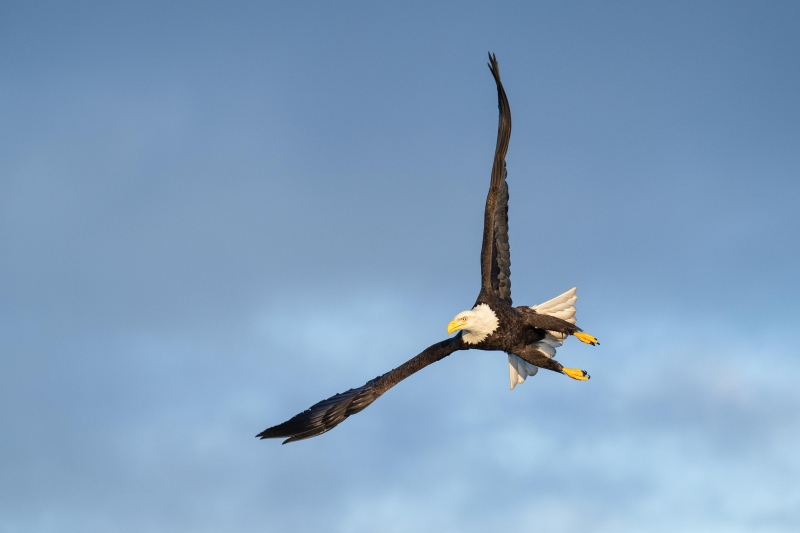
476,324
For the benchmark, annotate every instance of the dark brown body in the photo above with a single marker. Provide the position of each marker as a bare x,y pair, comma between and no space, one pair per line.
518,331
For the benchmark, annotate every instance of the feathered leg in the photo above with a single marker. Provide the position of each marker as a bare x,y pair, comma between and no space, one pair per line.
534,356
551,323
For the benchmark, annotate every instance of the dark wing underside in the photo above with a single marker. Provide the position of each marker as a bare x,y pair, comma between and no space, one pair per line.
327,414
501,254
495,254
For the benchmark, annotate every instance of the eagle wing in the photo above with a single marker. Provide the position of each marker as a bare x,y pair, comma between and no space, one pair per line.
327,414
495,253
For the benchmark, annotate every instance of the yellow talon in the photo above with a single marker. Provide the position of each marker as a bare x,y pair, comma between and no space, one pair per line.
576,373
585,337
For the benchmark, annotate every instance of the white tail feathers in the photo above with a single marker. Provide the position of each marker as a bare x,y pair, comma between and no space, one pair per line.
563,307
519,370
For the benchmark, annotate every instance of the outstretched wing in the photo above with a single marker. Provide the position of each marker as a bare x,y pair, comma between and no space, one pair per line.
327,414
495,254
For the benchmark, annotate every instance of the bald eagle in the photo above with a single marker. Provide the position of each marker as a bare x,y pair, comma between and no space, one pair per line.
529,335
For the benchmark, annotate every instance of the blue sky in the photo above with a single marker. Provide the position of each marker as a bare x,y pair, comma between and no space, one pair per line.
213,216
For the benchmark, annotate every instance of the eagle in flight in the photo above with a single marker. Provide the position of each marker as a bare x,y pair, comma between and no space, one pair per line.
529,335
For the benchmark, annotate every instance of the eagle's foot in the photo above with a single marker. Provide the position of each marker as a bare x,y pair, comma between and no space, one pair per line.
588,339
576,373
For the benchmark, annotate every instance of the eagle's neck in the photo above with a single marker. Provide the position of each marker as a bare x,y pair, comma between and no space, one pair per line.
483,323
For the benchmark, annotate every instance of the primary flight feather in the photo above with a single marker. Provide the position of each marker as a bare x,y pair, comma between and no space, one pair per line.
529,335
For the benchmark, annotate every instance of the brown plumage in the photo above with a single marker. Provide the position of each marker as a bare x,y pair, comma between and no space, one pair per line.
505,328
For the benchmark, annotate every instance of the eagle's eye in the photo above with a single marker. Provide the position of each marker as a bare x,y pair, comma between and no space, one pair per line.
463,319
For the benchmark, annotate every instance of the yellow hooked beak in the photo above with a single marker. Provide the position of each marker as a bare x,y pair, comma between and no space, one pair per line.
455,325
